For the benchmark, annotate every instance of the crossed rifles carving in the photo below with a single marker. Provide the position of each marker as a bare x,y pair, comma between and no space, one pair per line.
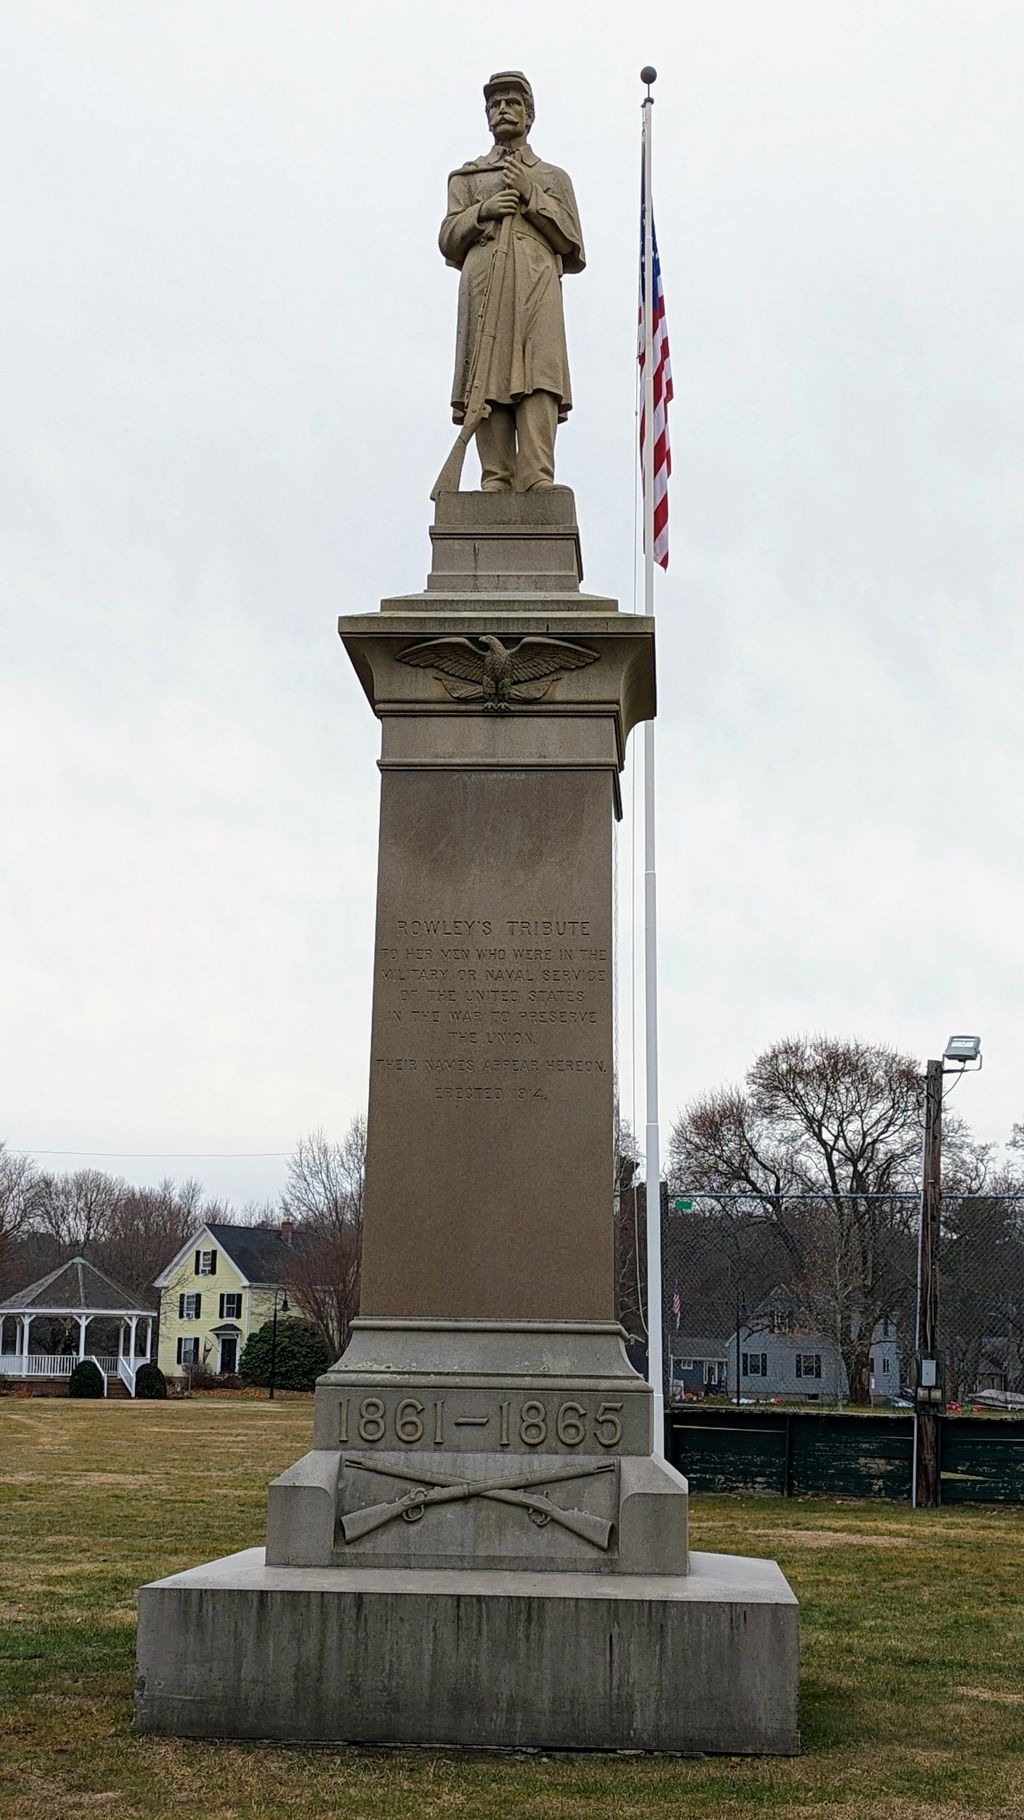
430,1488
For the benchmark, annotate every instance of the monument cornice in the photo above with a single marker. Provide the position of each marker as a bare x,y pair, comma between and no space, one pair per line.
619,686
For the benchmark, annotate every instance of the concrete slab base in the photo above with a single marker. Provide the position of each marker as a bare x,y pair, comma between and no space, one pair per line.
702,1662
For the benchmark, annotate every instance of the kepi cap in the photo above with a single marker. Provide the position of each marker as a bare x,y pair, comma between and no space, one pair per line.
508,79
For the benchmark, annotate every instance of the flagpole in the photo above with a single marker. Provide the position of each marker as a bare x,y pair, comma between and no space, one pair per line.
655,1341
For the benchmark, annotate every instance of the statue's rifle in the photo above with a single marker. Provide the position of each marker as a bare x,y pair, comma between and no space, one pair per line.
477,406
516,1490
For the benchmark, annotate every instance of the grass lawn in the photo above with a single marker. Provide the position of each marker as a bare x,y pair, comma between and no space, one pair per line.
912,1695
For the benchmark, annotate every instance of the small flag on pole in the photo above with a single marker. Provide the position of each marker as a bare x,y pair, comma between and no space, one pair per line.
677,1307
662,365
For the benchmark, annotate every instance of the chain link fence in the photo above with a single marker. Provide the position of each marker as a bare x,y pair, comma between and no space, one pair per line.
812,1298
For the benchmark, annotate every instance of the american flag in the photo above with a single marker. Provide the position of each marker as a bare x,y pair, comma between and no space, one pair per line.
677,1307
662,464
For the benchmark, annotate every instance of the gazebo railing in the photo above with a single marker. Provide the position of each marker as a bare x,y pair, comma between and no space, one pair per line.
58,1364
38,1364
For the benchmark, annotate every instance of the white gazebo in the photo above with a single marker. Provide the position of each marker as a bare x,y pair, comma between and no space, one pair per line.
77,1291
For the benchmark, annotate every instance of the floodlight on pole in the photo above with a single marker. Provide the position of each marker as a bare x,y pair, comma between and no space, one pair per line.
960,1050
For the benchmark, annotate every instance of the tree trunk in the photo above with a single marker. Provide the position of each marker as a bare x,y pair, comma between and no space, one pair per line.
858,1368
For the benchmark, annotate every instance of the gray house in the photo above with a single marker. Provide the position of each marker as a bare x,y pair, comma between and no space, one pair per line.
779,1354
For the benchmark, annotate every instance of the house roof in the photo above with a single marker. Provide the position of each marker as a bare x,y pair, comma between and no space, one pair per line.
260,1252
691,1346
75,1288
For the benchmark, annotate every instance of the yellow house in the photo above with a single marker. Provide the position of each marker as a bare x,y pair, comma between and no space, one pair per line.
218,1290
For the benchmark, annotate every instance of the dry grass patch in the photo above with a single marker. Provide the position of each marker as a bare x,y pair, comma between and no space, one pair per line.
989,1693
832,1538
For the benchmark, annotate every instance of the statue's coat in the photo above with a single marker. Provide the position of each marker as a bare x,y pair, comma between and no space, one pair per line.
529,352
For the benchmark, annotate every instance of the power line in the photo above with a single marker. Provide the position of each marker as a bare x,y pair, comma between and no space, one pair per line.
170,1156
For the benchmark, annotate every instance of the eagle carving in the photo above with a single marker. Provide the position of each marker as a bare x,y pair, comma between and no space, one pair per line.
483,669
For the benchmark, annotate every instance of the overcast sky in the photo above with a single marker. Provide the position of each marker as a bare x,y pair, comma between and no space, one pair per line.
225,340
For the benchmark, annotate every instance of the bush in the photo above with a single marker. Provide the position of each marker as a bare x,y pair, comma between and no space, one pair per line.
86,1380
301,1354
150,1381
205,1380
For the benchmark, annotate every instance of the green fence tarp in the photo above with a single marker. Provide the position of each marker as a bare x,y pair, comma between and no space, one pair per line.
818,1453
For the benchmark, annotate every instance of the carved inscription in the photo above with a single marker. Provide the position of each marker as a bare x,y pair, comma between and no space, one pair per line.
530,1422
482,1009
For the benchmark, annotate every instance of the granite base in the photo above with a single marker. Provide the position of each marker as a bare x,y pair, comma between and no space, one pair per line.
702,1662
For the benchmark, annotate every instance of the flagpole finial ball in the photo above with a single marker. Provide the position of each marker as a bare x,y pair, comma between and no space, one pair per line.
648,74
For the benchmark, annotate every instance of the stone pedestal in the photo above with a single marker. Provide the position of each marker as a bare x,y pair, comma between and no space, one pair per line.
705,1661
481,1546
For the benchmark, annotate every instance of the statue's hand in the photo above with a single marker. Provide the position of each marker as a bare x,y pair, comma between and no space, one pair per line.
505,203
519,180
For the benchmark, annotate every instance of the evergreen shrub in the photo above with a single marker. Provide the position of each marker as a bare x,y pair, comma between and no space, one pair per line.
86,1380
150,1381
302,1354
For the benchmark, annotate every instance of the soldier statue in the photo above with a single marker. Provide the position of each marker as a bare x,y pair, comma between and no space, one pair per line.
511,230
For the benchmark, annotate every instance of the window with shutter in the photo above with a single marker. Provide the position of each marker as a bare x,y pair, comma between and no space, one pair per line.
199,1263
181,1316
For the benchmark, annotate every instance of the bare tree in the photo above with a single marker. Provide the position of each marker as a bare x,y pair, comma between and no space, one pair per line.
326,1179
825,1128
324,1199
76,1208
148,1226
264,1213
630,1246
19,1181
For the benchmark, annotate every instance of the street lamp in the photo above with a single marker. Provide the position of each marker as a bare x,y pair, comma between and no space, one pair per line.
273,1336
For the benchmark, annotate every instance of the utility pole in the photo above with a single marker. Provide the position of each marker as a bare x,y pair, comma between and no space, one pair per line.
928,1397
